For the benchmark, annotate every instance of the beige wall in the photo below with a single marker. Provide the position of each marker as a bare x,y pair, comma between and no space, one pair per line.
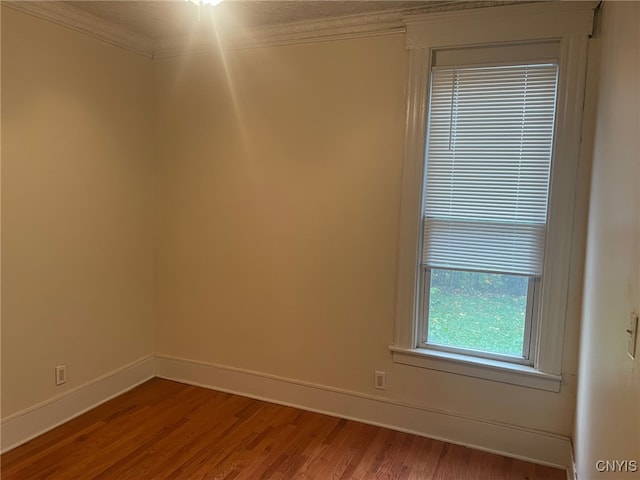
608,413
276,213
278,206
277,225
77,257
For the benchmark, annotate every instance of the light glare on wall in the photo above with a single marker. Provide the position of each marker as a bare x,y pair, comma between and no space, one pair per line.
200,3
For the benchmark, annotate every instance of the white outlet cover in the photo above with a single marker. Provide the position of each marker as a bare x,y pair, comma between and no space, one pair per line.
61,374
380,380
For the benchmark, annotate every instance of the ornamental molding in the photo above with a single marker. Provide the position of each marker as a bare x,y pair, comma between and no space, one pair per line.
61,13
388,22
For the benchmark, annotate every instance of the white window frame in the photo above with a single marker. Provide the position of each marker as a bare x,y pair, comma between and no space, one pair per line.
570,24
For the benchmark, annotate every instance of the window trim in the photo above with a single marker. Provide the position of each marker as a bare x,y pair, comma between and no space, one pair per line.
488,369
569,24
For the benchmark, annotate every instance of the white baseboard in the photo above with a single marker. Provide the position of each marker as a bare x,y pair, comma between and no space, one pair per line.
27,424
531,445
516,442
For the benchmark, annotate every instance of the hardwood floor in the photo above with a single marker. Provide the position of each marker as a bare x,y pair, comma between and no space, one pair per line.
168,430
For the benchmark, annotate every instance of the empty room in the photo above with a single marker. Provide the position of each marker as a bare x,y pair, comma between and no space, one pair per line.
250,239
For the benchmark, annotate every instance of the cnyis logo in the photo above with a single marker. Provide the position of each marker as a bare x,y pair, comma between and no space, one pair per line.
617,466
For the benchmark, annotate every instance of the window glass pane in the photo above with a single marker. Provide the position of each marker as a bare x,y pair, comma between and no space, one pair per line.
478,311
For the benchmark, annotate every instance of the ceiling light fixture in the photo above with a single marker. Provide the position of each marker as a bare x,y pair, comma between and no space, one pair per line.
202,3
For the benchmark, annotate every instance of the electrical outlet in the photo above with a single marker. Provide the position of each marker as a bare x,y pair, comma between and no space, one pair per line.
633,335
380,381
61,374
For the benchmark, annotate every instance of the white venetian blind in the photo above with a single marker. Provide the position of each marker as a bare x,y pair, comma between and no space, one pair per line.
489,150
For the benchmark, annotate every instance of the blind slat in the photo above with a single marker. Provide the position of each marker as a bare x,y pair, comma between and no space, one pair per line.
505,246
488,161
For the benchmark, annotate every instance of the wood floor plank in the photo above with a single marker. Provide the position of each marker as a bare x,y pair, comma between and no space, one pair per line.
488,466
167,430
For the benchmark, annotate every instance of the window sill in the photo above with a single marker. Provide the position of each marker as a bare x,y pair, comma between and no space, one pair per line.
493,370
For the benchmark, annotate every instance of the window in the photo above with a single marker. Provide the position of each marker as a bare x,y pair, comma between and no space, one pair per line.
490,176
488,160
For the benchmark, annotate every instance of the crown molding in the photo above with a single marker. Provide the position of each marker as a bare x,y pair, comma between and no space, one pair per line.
513,9
61,13
388,22
354,26
521,22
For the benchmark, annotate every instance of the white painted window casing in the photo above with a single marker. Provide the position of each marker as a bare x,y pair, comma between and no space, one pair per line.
549,34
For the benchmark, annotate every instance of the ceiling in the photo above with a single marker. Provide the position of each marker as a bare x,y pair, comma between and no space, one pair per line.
162,19
172,27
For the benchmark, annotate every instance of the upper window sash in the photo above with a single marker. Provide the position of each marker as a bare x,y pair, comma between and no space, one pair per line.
488,157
